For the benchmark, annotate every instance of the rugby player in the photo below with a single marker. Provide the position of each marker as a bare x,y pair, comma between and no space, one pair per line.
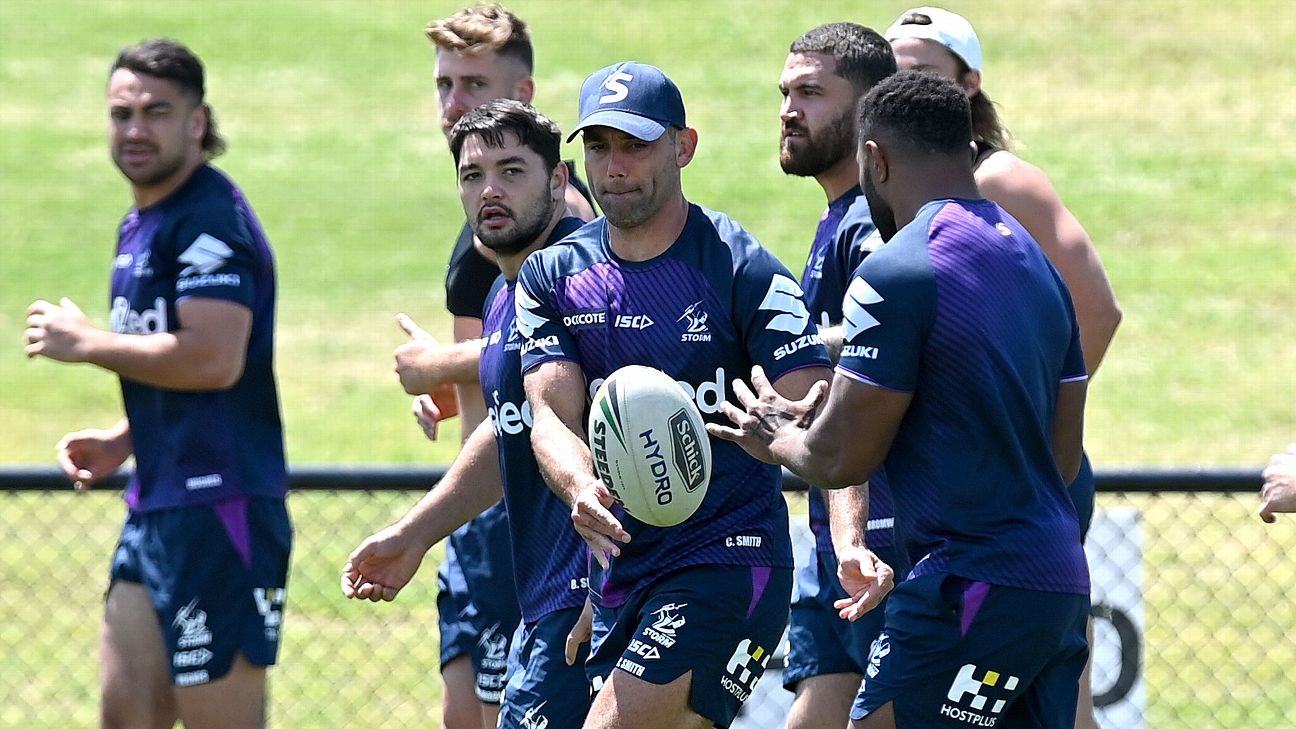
511,182
196,591
482,53
962,378
938,41
685,618
828,70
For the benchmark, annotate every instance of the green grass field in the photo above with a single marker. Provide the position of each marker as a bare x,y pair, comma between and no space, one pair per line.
1167,137
1167,140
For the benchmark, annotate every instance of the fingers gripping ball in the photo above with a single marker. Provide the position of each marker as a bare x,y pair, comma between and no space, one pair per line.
650,445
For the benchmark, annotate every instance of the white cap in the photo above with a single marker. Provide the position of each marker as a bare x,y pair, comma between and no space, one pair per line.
948,29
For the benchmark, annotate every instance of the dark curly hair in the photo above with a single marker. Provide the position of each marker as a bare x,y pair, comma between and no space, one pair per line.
170,60
492,120
862,55
925,112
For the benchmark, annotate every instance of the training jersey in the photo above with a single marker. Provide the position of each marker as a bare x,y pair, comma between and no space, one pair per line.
845,235
704,311
962,309
549,558
193,448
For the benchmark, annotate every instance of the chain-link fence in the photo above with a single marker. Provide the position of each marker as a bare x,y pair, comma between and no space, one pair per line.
1195,614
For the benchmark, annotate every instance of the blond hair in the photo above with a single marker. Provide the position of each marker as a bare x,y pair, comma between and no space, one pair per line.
483,28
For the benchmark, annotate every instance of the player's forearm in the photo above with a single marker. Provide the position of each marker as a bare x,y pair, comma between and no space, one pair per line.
472,484
562,455
815,466
179,360
457,363
848,511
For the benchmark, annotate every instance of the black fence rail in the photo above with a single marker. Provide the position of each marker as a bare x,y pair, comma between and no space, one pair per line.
390,478
1194,604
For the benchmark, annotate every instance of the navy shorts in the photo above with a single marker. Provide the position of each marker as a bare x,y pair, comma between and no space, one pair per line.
453,606
819,642
722,622
542,689
959,653
216,575
477,600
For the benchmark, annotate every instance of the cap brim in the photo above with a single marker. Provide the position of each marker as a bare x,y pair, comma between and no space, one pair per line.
640,127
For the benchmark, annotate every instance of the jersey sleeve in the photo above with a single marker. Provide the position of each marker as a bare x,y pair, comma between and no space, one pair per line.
468,277
544,337
886,315
215,257
776,326
1073,365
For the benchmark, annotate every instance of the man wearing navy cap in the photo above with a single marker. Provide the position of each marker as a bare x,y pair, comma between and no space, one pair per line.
686,617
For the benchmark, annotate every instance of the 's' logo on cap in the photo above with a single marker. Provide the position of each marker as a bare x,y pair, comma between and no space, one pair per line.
616,85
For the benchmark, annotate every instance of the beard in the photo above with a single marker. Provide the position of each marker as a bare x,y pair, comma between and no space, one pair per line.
879,210
516,238
820,150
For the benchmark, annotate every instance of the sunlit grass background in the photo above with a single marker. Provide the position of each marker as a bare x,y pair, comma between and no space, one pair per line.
1168,138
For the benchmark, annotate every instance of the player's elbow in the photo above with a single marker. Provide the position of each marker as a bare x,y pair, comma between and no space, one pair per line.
835,467
1068,465
844,474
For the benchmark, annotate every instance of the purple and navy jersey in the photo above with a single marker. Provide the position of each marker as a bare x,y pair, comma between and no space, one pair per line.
706,310
548,556
845,235
195,448
962,309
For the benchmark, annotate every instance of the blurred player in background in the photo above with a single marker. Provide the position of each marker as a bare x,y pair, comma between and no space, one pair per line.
962,377
938,41
828,71
196,592
685,618
482,53
1278,494
511,182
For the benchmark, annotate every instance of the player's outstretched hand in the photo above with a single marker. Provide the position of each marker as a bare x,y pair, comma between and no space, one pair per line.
415,364
580,633
382,565
767,416
591,515
58,331
865,578
88,455
1278,493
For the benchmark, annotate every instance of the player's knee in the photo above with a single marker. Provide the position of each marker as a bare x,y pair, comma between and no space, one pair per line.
122,710
823,701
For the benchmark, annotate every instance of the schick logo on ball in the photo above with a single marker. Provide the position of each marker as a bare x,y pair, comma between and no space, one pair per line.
686,450
657,467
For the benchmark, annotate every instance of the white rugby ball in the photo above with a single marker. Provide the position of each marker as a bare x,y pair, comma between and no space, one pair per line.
650,445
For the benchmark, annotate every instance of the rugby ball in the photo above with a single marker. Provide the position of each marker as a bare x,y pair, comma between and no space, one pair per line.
650,446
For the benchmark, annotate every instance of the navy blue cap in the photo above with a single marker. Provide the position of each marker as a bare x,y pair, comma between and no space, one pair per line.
633,97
